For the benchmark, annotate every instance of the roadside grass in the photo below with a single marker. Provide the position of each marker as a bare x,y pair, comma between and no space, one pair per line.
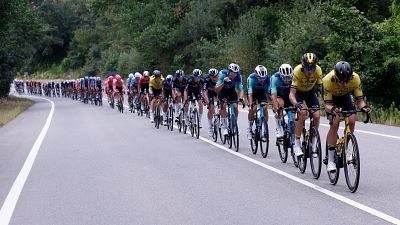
11,107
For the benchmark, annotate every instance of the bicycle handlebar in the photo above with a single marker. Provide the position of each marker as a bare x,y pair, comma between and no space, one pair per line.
350,112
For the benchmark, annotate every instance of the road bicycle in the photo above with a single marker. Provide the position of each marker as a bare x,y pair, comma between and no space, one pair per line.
347,154
216,123
157,115
193,123
287,141
233,131
307,136
170,114
120,104
260,135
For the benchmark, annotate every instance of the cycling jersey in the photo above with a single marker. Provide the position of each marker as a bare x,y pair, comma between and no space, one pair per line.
193,84
144,83
278,86
237,80
253,83
209,84
304,84
156,83
179,84
332,88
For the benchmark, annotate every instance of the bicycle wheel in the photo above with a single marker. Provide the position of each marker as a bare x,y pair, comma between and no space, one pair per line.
196,124
157,118
264,138
282,149
229,136
179,122
316,160
171,119
184,125
235,134
302,160
352,163
333,176
121,105
219,122
254,138
215,129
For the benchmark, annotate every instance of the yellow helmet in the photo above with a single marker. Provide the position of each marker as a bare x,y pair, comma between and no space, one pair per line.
309,60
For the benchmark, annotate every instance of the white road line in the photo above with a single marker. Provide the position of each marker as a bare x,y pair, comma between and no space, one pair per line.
341,198
361,131
9,204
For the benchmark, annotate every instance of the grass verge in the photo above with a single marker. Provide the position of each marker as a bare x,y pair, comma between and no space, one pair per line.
11,107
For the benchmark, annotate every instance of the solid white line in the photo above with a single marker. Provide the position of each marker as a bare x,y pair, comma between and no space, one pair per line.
9,204
361,131
341,198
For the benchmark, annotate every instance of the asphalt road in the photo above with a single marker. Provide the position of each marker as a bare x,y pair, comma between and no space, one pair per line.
97,166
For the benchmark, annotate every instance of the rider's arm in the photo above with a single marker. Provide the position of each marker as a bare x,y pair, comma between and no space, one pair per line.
274,94
220,82
292,96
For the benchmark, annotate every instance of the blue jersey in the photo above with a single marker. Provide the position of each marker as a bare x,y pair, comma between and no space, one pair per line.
278,86
255,85
128,82
236,81
208,84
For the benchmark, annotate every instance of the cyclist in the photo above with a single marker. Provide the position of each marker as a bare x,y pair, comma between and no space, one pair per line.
178,88
134,88
338,86
143,87
225,87
258,85
306,76
128,85
108,84
166,93
155,88
280,88
119,87
209,95
193,88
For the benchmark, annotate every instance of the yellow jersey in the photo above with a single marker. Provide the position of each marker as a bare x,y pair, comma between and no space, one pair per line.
332,88
156,84
302,83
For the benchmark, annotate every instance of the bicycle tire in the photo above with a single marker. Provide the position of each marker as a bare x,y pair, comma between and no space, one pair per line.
354,163
171,119
302,160
254,139
179,122
215,129
196,124
235,134
264,145
157,117
282,150
315,163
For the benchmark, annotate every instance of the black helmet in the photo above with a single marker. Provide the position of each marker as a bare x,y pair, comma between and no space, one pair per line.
343,71
309,60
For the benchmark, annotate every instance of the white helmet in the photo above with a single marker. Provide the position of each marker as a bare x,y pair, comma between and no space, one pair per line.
234,67
286,72
197,73
169,78
138,75
261,71
131,75
146,73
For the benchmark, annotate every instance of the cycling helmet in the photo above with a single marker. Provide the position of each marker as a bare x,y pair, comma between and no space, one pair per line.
157,73
234,67
261,71
138,75
118,77
179,73
110,77
343,71
286,72
169,78
131,75
146,73
309,60
213,72
197,73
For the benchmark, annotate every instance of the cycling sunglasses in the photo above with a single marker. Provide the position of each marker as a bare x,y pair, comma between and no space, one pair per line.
308,69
